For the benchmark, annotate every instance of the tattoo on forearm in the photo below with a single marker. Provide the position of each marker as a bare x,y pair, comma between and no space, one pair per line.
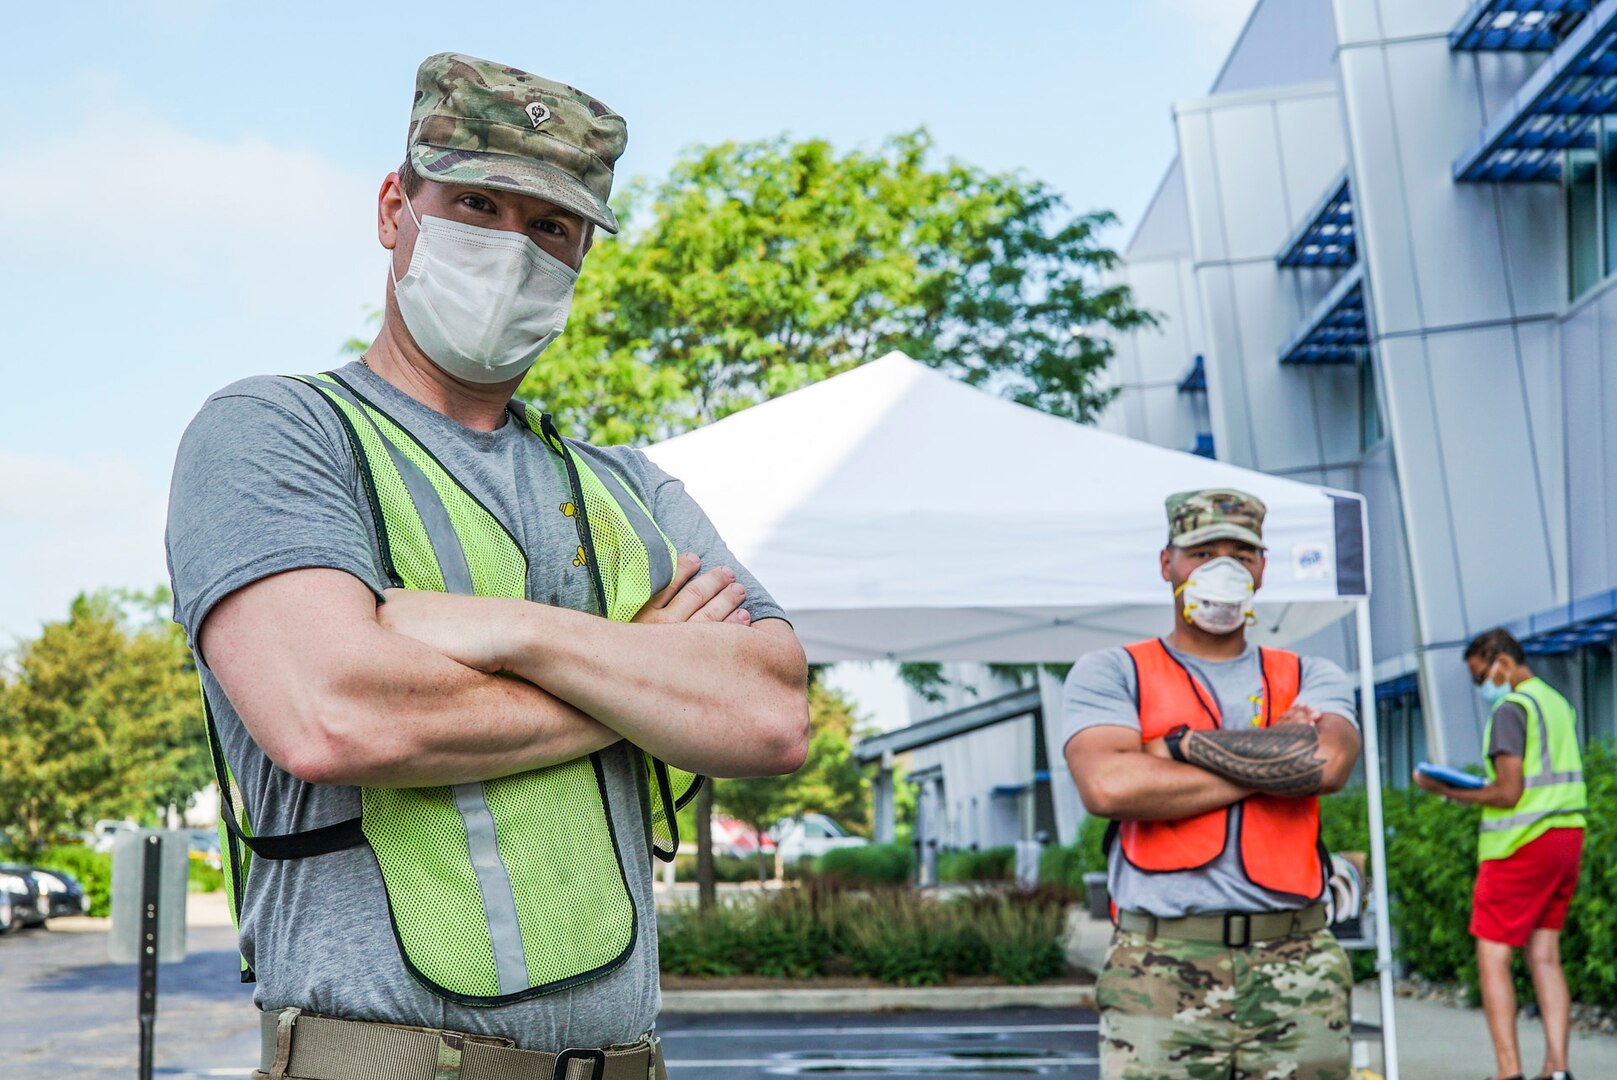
1284,760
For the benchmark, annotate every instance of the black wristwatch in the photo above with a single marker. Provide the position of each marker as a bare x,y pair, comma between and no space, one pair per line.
1172,741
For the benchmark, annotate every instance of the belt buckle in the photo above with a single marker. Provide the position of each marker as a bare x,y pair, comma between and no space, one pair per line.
1246,929
596,1058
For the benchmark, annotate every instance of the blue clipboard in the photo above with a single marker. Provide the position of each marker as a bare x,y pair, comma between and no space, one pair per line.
1451,777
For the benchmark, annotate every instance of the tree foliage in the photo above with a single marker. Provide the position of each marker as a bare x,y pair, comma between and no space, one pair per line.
99,718
757,268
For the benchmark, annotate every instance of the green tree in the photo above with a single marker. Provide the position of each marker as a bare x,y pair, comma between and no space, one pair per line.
99,718
761,267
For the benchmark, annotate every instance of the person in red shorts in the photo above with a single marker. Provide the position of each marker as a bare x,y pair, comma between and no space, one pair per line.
1530,846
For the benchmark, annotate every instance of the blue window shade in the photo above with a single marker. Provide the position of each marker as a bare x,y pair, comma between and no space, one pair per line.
1196,378
1555,109
1492,25
1327,236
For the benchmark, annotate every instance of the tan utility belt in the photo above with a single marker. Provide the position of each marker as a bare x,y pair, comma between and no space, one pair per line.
305,1047
1233,928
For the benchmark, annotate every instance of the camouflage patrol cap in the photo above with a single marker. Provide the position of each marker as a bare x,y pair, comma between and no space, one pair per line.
1195,517
487,125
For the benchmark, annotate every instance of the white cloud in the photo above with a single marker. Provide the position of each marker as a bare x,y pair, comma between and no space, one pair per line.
132,195
68,526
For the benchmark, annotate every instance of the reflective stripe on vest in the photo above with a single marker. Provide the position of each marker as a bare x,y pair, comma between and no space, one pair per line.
1278,837
1553,791
501,890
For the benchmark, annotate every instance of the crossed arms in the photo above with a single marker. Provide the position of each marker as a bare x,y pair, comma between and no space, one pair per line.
419,691
1305,752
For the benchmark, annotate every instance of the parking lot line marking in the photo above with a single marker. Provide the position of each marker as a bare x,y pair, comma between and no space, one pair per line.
886,1064
743,1033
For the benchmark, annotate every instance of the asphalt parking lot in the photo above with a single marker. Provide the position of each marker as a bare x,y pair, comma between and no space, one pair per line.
66,1012
1051,1043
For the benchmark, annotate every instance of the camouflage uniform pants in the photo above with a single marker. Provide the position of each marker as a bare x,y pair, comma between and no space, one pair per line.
1186,1010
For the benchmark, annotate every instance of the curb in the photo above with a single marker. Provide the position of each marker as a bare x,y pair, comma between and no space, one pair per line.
876,999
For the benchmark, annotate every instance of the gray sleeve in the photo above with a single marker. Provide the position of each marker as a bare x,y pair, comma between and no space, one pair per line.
1509,732
1326,687
1100,690
688,526
262,484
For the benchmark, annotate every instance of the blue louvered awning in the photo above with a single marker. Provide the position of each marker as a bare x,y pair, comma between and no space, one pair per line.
1196,378
1569,627
1554,109
1517,24
1337,330
1327,235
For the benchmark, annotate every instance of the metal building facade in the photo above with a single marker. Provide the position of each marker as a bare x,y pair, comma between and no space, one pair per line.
1383,259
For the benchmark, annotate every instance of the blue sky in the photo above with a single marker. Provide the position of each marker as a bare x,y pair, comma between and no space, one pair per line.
187,186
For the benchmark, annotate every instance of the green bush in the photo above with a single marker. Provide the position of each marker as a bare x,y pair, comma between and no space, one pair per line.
778,934
869,864
1027,932
892,935
1431,853
897,937
727,868
92,868
988,864
1065,867
204,878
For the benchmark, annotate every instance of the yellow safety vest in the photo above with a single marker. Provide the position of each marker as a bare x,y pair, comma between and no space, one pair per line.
509,888
1553,795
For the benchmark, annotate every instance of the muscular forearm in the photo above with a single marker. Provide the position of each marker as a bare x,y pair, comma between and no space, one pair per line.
413,718
1285,760
1135,786
334,697
714,698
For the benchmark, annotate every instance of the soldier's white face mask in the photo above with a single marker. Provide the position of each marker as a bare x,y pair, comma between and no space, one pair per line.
481,303
1218,596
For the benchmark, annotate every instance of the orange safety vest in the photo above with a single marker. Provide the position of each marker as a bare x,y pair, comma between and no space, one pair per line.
1279,837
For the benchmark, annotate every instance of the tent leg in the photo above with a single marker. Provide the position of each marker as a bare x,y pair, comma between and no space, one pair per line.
1378,840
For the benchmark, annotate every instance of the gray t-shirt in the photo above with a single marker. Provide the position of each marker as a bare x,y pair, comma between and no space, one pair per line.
265,481
1102,689
1508,734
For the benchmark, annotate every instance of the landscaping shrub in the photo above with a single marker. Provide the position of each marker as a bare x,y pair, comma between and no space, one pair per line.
892,935
727,868
1066,866
204,878
870,864
897,937
777,934
92,868
988,864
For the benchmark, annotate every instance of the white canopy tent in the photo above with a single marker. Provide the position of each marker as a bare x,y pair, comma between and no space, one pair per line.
899,514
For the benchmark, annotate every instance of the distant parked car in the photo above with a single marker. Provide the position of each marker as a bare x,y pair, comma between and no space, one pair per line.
60,893
738,839
19,898
205,846
104,832
810,836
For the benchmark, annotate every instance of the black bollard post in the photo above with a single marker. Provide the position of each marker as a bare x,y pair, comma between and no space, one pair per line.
151,883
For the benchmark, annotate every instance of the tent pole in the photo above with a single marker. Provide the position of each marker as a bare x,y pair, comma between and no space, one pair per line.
1378,839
